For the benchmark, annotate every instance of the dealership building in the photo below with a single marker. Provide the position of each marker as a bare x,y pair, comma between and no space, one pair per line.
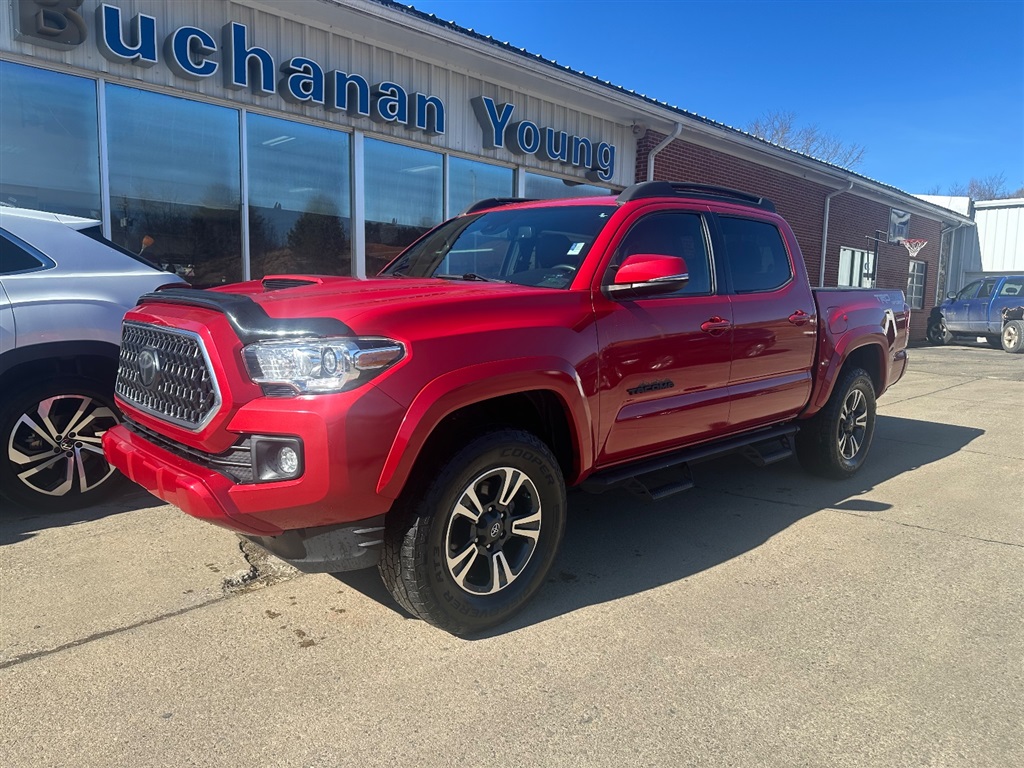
238,138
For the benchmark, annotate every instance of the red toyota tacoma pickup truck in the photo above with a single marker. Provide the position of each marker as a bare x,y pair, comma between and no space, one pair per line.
429,420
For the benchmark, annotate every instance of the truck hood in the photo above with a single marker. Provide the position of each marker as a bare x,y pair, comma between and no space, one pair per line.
349,299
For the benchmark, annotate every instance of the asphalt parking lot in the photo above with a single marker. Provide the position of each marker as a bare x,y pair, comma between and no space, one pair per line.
765,618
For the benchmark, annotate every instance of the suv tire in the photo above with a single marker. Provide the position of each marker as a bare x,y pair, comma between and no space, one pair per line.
477,537
50,454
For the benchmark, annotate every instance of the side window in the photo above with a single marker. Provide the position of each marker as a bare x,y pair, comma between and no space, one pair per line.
672,234
14,258
757,255
1014,286
986,289
968,291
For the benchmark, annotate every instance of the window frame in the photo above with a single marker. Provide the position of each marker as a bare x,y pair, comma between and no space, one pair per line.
911,282
709,252
727,263
43,261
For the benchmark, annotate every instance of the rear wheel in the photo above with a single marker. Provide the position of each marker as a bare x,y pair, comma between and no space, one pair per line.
52,459
1013,336
835,441
475,543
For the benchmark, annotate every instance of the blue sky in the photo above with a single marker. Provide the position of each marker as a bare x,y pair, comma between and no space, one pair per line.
933,90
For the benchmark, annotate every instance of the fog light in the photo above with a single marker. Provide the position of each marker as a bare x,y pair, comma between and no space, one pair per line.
288,461
276,458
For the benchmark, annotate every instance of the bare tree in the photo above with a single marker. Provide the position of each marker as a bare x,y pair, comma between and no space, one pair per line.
989,188
781,128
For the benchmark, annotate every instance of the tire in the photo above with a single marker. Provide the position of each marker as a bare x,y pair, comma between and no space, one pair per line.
476,542
835,441
1012,338
994,341
44,465
938,334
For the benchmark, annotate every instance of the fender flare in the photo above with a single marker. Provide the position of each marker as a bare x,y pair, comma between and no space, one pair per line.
57,350
851,341
475,384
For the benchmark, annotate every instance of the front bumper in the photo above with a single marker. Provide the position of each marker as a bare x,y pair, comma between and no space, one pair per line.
345,438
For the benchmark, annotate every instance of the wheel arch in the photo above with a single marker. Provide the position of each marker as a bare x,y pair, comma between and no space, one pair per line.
95,360
548,402
867,352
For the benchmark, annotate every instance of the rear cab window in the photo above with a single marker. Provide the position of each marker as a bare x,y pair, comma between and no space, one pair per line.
756,254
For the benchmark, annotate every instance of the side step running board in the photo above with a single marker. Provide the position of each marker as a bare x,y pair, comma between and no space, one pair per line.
761,448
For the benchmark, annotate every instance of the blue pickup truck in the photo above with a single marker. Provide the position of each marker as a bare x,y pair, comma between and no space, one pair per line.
991,307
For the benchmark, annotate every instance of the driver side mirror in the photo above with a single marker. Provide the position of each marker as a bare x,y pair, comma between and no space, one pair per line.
951,295
648,274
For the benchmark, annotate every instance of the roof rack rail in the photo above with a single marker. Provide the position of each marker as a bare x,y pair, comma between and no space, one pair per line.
496,202
646,189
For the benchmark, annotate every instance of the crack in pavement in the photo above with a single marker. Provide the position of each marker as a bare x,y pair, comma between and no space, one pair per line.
108,632
926,528
863,516
263,571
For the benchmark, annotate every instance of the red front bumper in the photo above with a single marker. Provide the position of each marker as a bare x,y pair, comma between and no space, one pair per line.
345,441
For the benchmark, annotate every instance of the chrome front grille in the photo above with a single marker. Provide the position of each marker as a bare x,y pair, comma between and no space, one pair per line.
166,373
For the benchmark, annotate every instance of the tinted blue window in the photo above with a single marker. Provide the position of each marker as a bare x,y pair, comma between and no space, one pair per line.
49,145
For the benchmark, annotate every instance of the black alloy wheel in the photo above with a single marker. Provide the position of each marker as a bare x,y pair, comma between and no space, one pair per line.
471,545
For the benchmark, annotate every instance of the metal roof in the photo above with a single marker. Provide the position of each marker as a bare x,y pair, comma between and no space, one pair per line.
839,173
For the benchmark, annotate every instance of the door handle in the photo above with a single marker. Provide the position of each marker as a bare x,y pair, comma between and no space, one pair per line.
799,317
715,324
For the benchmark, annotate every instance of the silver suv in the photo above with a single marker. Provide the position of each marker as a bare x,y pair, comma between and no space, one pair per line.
63,292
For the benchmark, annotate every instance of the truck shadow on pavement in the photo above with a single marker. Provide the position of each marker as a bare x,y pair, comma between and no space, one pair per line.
19,523
618,545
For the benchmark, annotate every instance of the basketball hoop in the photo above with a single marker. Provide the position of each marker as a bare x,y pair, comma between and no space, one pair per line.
913,245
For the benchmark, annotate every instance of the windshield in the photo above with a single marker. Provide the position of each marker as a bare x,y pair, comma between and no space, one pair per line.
530,246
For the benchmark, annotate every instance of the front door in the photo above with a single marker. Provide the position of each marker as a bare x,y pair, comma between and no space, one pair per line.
956,312
977,308
664,360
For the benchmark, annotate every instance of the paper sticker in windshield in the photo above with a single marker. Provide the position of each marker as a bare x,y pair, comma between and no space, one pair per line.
576,250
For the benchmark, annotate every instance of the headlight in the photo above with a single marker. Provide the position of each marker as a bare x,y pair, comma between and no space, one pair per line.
318,366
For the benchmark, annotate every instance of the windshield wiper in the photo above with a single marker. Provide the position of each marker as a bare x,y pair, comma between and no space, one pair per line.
471,276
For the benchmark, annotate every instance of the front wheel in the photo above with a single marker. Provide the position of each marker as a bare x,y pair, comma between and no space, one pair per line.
938,334
1012,338
477,542
835,441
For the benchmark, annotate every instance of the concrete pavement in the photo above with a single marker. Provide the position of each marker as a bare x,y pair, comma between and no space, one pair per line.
764,618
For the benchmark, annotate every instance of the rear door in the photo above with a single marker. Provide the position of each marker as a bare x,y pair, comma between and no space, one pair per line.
774,323
664,360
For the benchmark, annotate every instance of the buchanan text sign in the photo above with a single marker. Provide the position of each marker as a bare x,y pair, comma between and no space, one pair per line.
193,53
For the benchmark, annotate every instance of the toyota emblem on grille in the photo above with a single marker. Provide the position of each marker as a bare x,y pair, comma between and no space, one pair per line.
149,367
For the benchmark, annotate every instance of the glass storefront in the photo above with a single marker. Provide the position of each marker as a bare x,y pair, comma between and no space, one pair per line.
539,187
299,198
49,141
175,172
470,181
175,178
404,198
